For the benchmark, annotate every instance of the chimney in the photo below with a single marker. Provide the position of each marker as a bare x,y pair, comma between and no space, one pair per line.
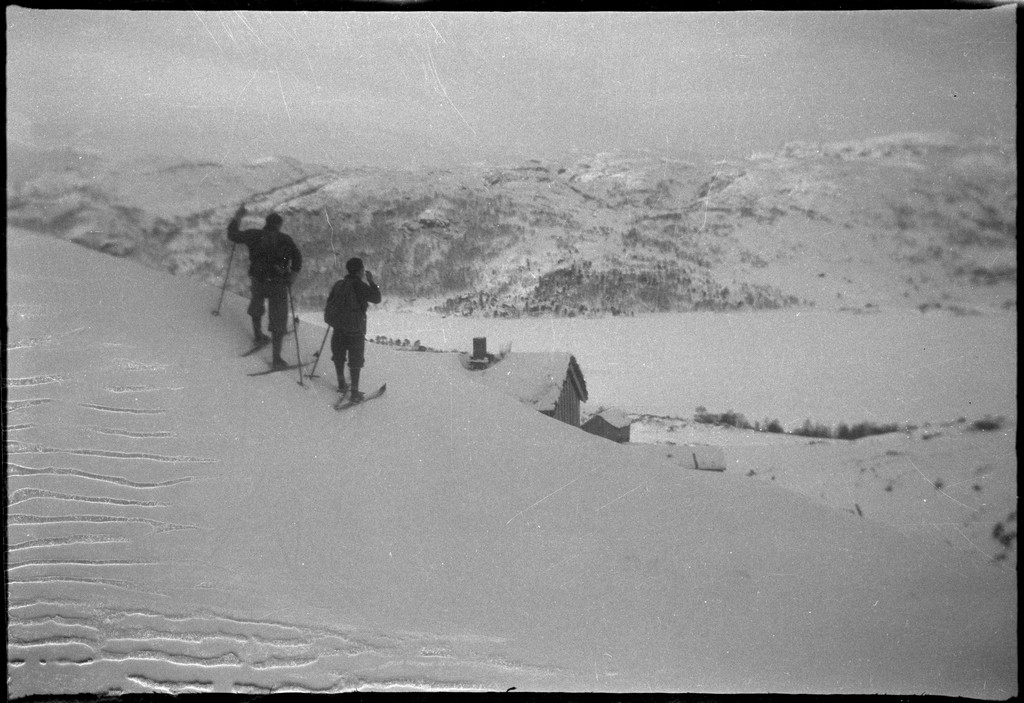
479,348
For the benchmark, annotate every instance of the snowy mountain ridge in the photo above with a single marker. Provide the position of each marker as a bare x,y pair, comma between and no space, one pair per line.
916,220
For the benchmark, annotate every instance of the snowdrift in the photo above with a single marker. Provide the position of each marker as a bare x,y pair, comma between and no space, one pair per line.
175,525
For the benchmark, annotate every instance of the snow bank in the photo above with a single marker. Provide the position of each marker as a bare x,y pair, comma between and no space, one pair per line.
177,526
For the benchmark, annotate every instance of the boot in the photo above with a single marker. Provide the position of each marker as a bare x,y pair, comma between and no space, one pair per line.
340,370
355,396
277,360
256,331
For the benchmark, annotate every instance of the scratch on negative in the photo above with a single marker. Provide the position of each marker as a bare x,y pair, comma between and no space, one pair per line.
619,498
434,27
971,542
283,98
911,462
328,218
200,18
531,507
955,500
439,87
249,27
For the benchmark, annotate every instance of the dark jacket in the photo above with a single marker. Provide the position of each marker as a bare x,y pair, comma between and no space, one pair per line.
347,302
272,254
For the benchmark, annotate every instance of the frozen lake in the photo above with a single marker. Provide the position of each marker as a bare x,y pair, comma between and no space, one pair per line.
894,366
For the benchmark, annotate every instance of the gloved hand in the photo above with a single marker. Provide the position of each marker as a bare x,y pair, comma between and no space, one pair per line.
240,212
369,277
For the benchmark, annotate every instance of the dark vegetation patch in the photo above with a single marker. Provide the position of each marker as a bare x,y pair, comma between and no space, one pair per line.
807,429
987,424
1005,533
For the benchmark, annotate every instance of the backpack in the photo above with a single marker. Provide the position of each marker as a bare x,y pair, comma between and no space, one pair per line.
273,255
342,305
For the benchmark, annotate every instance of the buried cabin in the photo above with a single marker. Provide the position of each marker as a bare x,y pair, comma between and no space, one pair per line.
550,382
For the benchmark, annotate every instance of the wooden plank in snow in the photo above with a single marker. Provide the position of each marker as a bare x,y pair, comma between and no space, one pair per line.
704,457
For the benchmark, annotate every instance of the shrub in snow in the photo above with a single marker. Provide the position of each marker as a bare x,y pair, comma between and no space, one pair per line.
987,423
733,419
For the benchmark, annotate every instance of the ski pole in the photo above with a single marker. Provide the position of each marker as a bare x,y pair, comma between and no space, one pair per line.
226,274
295,318
312,373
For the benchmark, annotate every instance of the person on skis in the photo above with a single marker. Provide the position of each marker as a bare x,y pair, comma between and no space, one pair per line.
274,264
346,313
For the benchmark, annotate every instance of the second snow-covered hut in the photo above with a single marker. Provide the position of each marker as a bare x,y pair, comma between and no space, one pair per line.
611,424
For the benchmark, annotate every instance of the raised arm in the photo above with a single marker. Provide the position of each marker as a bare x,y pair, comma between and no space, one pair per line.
373,295
234,234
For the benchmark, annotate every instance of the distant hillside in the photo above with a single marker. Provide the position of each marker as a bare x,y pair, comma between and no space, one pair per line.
910,220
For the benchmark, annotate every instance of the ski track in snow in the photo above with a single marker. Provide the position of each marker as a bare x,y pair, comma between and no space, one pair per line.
141,389
18,470
21,495
45,340
247,655
35,381
21,448
70,539
16,405
160,434
157,525
130,411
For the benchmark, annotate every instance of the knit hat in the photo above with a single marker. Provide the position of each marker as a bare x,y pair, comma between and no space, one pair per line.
274,220
354,265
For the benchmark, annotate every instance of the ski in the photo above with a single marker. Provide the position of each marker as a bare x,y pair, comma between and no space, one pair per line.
289,367
344,403
260,345
256,347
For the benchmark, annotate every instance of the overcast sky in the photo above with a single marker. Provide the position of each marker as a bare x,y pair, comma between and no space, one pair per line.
426,87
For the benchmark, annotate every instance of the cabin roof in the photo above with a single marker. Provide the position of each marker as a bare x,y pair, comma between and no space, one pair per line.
536,378
615,417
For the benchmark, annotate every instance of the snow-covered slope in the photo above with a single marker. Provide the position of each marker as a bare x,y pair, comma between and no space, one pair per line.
175,525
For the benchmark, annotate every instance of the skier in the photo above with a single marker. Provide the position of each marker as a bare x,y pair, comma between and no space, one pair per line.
346,313
274,264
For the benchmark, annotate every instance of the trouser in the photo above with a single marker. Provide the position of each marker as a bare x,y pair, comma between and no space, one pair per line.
276,295
351,347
